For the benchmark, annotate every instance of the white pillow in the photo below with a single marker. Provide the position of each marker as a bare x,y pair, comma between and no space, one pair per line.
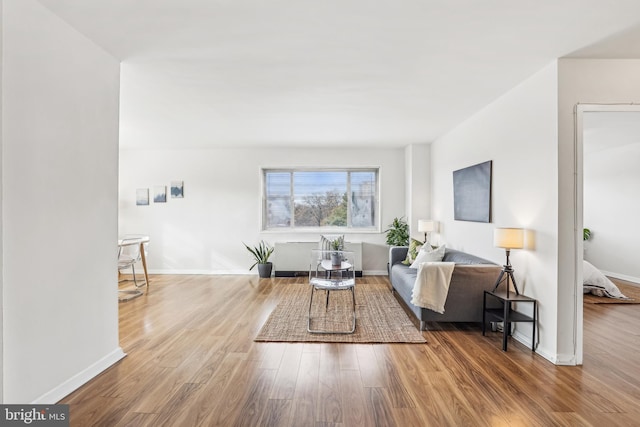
325,244
428,254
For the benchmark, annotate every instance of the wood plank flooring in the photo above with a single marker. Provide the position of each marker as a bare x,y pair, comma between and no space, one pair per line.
192,362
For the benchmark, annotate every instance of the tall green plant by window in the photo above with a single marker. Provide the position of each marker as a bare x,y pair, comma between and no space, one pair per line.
398,232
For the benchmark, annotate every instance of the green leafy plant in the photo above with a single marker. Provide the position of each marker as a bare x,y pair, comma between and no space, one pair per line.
398,232
261,253
337,244
586,234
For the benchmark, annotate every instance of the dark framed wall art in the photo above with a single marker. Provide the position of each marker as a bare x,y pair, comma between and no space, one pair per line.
472,193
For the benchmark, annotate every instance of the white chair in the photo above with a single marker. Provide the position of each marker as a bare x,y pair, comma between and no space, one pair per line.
128,256
332,271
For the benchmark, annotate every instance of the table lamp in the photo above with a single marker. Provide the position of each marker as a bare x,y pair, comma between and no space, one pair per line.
425,226
508,238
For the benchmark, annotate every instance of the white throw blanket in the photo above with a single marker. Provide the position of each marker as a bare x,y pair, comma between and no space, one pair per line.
432,285
599,284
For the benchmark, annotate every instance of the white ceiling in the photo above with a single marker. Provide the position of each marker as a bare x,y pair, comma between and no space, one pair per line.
200,73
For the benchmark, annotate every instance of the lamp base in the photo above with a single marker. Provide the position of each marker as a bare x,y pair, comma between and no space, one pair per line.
507,271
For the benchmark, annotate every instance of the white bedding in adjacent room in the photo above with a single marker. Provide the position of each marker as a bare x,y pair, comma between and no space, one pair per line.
596,283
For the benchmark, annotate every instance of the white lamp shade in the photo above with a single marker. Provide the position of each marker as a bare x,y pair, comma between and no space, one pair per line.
508,238
426,225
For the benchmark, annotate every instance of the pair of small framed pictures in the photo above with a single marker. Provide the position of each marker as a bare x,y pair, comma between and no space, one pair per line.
160,193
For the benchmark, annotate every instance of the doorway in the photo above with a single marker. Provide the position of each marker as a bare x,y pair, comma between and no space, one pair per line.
583,112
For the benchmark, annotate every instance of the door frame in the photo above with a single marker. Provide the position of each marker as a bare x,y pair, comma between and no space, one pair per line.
578,220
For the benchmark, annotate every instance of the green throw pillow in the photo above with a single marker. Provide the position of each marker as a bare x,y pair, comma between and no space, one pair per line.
412,253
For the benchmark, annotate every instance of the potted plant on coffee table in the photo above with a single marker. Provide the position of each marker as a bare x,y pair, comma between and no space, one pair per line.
337,246
261,254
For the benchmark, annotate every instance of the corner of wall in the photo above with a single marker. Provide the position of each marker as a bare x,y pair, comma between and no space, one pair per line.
417,184
1,218
82,377
56,82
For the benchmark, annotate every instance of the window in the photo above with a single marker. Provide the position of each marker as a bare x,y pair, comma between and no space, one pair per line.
323,198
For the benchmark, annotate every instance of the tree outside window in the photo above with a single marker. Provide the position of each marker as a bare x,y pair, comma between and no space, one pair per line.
324,199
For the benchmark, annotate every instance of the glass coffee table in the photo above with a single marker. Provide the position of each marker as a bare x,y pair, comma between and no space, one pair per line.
327,274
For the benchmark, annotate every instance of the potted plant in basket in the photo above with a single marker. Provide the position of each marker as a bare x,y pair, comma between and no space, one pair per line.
337,245
261,254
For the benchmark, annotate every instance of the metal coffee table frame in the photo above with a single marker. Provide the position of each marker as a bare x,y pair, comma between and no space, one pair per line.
330,277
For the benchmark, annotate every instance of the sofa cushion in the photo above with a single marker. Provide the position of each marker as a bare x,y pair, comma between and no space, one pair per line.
403,278
428,254
412,253
459,257
326,244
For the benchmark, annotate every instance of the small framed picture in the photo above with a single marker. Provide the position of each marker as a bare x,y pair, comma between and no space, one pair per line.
177,189
160,194
142,196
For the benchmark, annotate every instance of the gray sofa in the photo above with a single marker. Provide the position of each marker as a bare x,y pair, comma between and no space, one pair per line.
471,276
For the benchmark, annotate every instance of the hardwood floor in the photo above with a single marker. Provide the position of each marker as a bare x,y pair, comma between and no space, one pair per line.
192,362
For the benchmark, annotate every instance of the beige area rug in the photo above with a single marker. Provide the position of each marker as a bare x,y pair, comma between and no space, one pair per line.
630,291
379,317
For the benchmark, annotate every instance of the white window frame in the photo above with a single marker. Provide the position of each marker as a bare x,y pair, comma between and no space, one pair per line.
324,229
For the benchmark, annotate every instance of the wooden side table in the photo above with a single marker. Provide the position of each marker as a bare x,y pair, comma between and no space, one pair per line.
507,315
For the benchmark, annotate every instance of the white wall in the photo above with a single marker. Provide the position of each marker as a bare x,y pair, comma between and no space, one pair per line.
1,220
582,81
418,187
518,132
204,231
59,174
611,205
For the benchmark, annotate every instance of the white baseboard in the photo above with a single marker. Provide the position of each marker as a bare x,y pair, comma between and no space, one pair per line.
566,360
58,393
621,276
521,338
526,340
374,273
242,272
206,272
